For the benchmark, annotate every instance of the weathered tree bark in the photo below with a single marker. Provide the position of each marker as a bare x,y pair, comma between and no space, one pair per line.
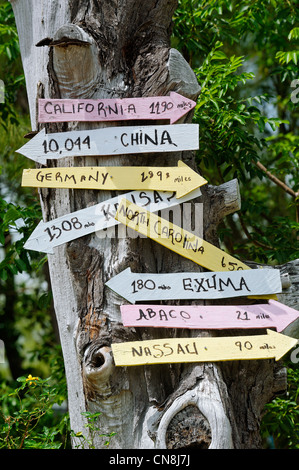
105,49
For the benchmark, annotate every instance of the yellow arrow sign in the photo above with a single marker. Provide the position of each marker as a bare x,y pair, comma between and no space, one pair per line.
203,349
181,179
176,238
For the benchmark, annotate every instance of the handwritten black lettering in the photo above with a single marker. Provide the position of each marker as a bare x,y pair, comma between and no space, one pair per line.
213,286
190,244
66,225
65,109
200,285
106,211
166,345
159,350
262,316
58,177
94,178
172,196
48,104
142,315
157,197
229,282
71,177
214,283
157,347
242,315
194,349
166,138
143,195
104,176
157,137
101,108
147,351
57,108
131,109
180,349
135,352
267,346
115,110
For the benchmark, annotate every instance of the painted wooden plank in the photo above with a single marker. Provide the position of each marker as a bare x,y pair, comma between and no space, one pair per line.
202,349
171,107
140,287
111,141
180,179
177,239
48,235
210,317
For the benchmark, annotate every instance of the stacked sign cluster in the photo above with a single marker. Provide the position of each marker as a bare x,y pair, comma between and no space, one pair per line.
227,277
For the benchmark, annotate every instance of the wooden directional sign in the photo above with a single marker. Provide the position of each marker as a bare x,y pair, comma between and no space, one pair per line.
181,179
111,141
210,317
176,238
139,287
202,349
171,107
48,235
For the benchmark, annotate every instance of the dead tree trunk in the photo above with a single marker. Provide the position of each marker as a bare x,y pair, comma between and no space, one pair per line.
104,49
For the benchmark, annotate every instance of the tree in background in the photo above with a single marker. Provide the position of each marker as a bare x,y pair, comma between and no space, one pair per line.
27,324
244,55
23,287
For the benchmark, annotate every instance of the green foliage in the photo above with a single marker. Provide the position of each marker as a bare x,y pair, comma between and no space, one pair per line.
9,45
82,441
10,67
28,418
34,414
235,49
227,141
21,220
281,416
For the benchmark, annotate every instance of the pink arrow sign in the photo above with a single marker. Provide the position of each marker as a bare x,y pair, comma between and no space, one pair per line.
208,317
171,107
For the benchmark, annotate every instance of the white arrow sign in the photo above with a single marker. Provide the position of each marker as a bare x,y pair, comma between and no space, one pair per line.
111,141
140,287
48,235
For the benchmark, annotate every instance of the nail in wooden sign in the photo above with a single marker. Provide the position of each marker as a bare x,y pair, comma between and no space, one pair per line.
48,235
210,317
176,238
180,179
111,141
139,287
171,107
202,349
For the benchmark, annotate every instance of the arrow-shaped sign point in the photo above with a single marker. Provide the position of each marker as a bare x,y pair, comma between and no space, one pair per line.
182,106
35,142
119,284
282,342
36,240
192,180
